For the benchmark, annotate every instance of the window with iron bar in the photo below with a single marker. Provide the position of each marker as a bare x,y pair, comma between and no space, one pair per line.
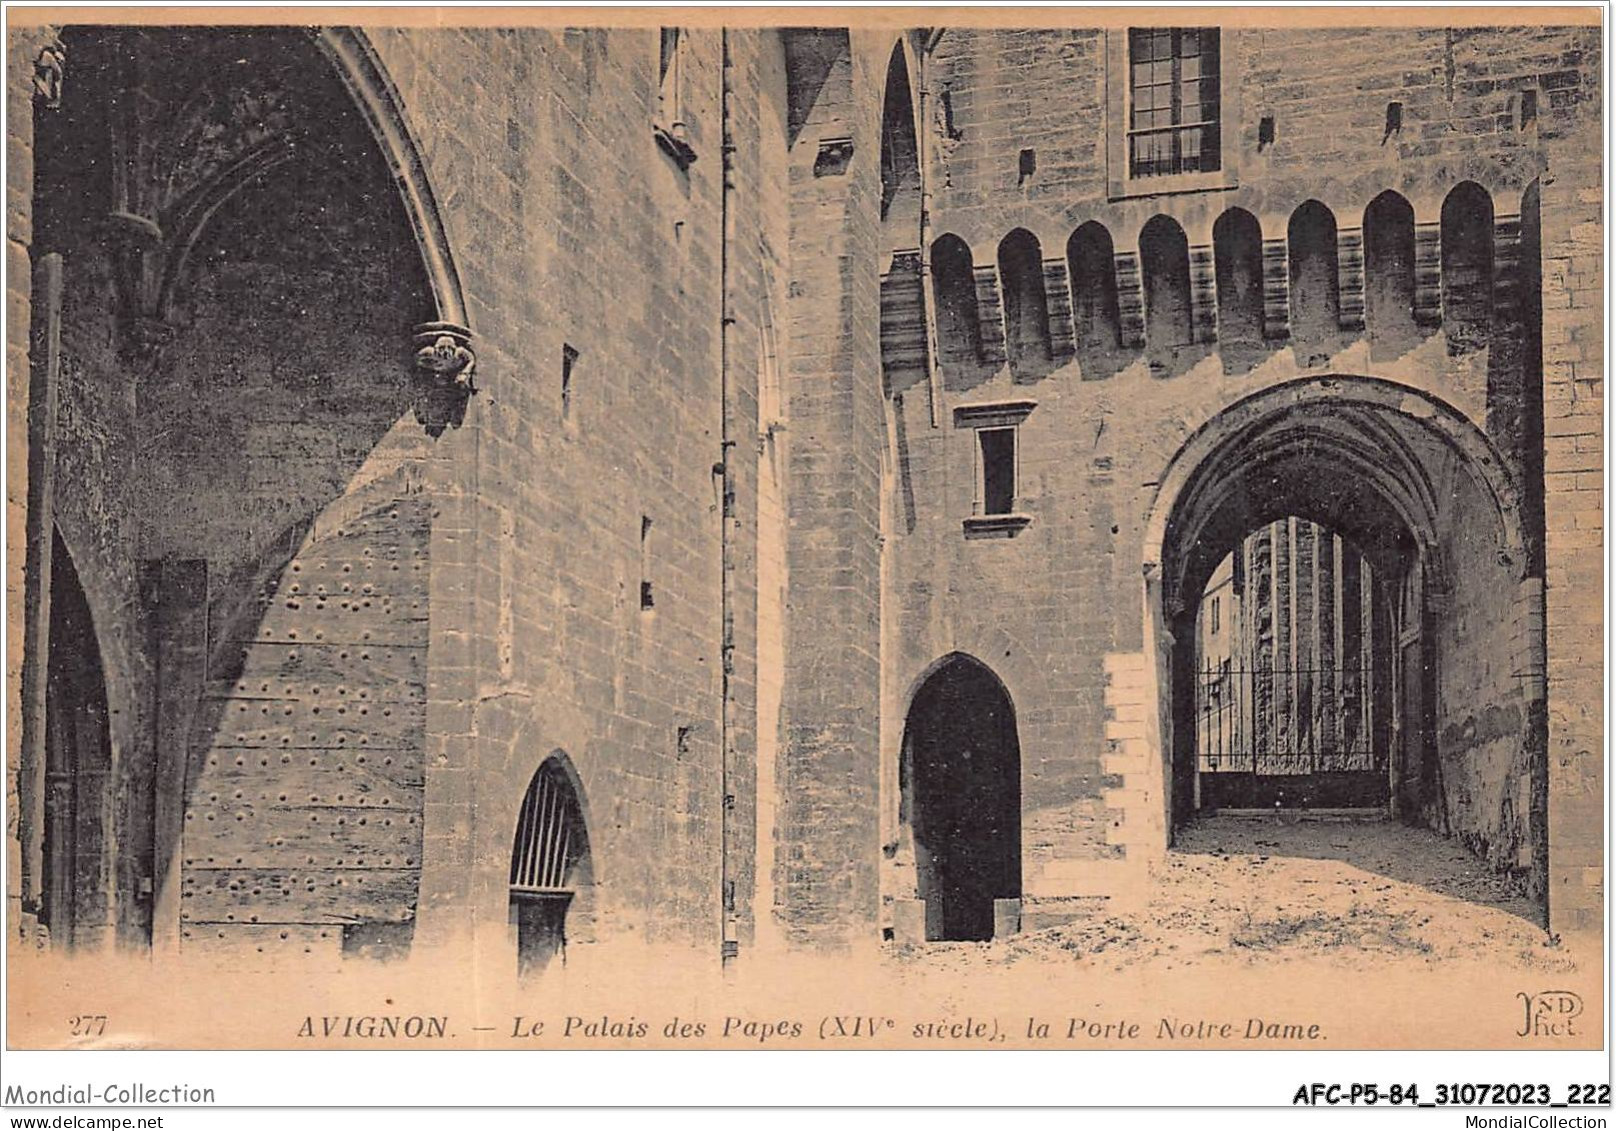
1174,101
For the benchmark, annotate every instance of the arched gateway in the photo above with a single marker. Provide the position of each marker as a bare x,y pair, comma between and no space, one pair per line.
1335,557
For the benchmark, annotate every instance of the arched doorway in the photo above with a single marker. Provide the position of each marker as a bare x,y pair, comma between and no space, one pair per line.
961,797
76,905
551,870
1360,488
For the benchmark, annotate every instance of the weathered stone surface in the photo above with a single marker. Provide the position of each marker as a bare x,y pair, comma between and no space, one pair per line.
713,566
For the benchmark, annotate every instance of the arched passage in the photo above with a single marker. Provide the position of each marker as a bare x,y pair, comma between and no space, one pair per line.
76,907
551,873
242,303
961,797
1418,494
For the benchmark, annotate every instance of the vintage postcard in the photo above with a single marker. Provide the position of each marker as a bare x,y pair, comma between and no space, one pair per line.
1062,528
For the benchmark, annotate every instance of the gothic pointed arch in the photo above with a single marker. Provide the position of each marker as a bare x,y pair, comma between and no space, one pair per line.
552,868
444,342
1350,468
960,797
362,71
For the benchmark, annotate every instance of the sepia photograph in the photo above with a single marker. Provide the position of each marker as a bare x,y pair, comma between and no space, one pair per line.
777,529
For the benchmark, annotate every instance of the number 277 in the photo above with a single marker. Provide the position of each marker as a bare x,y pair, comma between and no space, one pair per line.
89,1025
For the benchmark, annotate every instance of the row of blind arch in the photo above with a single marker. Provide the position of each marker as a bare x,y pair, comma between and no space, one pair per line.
1399,281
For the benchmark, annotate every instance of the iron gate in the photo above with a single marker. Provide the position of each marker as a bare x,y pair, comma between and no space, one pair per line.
1290,738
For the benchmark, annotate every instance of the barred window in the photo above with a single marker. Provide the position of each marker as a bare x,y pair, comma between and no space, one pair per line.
1174,104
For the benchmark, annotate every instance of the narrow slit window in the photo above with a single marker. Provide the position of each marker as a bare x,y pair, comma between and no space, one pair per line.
668,108
647,592
997,451
569,360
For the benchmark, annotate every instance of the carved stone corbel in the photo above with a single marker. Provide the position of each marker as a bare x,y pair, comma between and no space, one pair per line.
443,349
49,66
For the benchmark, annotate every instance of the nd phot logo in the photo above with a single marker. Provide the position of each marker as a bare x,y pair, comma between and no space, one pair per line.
1550,1013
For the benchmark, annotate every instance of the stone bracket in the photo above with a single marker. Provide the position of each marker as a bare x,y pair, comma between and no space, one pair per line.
1130,300
49,66
1428,274
443,349
1276,285
1350,278
1058,295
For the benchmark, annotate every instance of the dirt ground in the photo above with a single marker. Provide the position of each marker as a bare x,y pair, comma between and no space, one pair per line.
1260,889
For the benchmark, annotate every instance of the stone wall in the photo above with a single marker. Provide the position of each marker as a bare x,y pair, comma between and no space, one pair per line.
689,533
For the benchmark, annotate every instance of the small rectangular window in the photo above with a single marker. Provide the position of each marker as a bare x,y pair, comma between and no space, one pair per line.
1174,101
1217,622
995,428
998,454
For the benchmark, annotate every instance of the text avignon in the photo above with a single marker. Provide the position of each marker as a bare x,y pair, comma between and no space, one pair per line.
376,1028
